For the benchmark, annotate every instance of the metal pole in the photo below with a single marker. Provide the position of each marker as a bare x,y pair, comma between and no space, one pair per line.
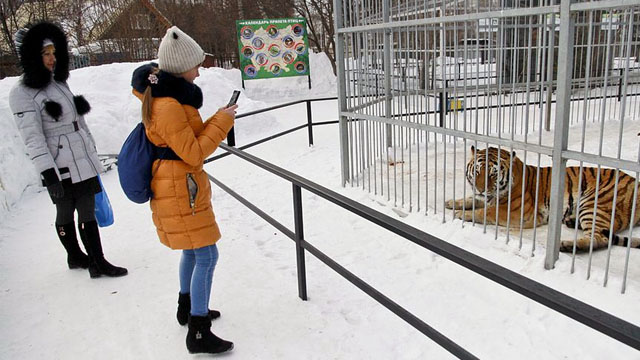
342,99
550,62
561,132
443,108
310,122
299,238
231,137
443,72
387,66
620,83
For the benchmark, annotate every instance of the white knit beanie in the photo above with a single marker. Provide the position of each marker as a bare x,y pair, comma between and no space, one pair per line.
178,52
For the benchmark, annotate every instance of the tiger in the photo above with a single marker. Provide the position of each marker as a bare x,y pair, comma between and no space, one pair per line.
504,185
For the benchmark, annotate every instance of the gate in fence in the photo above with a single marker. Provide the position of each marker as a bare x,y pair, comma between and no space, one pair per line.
436,95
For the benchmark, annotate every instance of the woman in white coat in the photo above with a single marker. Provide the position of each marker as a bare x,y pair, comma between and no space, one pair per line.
51,122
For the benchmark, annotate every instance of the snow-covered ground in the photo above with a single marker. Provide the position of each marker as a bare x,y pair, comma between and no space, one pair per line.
50,312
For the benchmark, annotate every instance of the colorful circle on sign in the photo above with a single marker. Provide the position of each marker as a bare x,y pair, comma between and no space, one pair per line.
276,69
272,31
300,67
250,70
261,59
246,32
301,49
297,29
288,57
288,41
258,43
247,52
274,50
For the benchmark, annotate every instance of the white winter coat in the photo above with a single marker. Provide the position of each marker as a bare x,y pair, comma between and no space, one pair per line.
64,144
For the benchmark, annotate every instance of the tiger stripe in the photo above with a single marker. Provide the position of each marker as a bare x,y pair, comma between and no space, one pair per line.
510,189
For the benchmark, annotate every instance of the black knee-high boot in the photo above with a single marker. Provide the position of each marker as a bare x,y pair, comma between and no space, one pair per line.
75,257
97,264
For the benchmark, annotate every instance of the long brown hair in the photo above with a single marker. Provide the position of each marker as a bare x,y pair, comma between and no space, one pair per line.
147,101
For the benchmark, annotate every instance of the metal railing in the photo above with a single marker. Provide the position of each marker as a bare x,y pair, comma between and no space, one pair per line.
231,136
599,320
564,83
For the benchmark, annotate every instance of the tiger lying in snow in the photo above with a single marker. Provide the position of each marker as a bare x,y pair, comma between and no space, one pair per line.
499,175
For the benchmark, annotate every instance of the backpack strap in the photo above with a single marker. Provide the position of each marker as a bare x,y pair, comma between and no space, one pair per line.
165,153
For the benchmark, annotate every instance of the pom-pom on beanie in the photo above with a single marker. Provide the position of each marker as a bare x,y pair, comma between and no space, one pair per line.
178,52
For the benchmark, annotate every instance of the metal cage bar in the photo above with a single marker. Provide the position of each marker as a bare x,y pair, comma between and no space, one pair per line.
428,79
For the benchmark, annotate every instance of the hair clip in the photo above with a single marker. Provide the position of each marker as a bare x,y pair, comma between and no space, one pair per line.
153,78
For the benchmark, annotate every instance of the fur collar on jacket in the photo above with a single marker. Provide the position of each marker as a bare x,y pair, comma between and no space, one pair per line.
166,85
36,75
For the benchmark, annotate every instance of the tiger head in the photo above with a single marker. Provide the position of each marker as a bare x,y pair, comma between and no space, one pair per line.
488,171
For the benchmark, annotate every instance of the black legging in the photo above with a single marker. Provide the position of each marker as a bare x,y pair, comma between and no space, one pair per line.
85,205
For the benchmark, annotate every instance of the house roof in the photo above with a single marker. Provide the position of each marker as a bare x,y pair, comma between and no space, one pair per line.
122,7
29,12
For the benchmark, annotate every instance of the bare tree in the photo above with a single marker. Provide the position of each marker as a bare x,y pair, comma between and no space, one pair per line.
212,23
15,14
319,15
78,17
8,22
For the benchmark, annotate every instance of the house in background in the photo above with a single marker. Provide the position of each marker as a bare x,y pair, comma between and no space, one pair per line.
14,18
106,31
99,32
131,32
128,31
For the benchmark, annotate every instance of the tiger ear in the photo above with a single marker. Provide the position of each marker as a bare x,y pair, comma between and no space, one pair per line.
473,150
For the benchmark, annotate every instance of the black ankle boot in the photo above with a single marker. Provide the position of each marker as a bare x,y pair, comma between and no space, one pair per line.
75,257
184,308
200,339
98,266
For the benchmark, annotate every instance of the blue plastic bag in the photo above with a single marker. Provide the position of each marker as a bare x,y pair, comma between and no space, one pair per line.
104,212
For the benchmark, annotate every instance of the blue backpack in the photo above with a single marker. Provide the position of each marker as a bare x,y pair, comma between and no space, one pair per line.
135,161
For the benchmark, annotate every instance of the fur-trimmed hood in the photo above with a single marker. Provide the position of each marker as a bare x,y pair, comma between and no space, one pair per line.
36,75
164,84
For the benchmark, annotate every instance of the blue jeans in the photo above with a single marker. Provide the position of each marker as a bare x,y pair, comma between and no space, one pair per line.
196,276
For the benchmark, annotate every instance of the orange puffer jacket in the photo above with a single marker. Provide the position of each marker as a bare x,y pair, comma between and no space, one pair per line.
181,203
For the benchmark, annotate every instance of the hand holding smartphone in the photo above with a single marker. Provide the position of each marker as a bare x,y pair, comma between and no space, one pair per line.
234,98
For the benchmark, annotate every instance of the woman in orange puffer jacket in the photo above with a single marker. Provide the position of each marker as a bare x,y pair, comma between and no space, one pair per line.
181,203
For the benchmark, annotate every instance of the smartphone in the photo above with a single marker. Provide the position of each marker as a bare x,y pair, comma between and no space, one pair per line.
234,98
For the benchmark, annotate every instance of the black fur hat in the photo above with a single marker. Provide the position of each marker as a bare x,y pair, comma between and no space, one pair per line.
36,75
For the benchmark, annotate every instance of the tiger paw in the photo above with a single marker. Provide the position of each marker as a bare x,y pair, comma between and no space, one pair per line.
458,214
449,204
566,246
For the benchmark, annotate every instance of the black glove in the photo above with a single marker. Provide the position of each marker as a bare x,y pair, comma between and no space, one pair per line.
56,190
52,182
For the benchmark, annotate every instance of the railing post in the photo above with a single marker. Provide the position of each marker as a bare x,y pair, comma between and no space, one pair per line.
299,237
620,84
443,110
561,133
310,122
231,137
342,92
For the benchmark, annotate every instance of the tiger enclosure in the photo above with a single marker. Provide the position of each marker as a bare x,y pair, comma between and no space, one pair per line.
519,118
